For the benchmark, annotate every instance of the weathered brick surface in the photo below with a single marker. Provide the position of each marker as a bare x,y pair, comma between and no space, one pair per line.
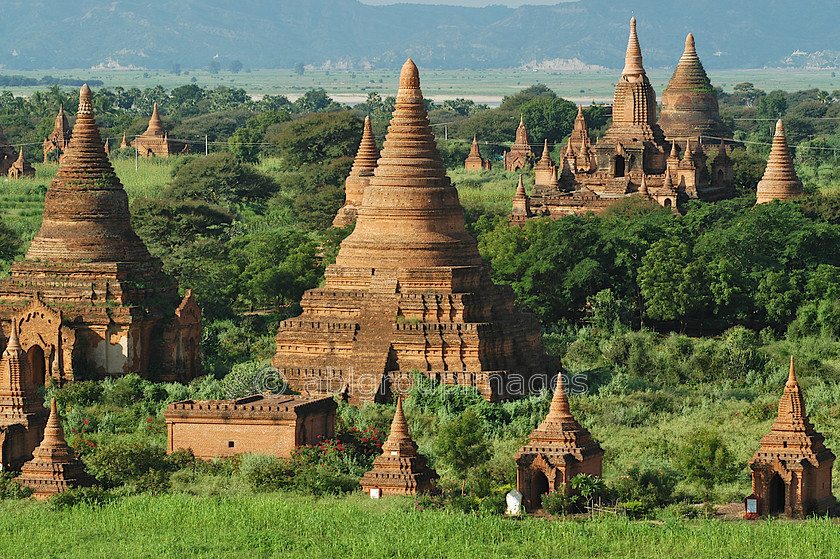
791,471
111,309
265,424
409,290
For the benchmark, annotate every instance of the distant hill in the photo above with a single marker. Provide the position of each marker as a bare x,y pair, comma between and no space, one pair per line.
39,34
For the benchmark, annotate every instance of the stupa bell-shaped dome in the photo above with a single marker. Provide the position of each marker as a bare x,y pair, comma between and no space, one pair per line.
86,208
410,215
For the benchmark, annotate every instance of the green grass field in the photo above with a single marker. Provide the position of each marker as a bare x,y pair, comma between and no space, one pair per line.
287,525
483,86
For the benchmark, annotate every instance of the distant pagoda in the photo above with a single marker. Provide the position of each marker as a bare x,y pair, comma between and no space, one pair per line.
354,186
400,469
520,155
689,103
474,161
21,168
88,297
59,138
409,290
779,181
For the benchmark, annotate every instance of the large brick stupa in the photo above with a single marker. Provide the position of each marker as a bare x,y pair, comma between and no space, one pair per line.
89,300
409,290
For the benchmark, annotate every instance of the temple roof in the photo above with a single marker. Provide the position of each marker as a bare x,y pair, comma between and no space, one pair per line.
792,435
399,440
779,180
367,155
86,214
689,74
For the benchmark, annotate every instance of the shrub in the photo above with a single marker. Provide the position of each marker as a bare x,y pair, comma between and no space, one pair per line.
92,496
155,482
558,502
637,509
10,489
125,461
652,486
263,472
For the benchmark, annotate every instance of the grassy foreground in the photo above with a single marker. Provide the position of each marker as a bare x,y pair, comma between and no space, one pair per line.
282,525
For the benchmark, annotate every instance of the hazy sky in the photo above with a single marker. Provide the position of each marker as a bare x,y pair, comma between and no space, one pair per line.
473,3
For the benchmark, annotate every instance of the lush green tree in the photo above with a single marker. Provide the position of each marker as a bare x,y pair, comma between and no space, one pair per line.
221,179
247,142
548,118
318,138
705,459
772,106
462,445
672,281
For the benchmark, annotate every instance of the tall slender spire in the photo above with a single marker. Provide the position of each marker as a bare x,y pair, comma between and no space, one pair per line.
779,181
368,153
633,57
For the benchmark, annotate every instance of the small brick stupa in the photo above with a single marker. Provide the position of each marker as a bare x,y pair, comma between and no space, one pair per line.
22,411
7,154
21,168
53,468
791,472
521,210
689,103
520,156
354,186
155,142
400,470
59,137
779,181
474,161
409,290
88,295
559,449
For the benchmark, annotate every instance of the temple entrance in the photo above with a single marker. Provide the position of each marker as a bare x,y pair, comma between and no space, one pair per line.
667,202
720,177
619,166
776,495
36,363
539,487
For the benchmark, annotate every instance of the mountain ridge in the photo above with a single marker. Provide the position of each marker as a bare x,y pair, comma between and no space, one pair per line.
279,34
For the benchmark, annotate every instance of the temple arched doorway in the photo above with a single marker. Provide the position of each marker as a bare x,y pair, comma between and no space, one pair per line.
776,495
539,487
619,166
37,365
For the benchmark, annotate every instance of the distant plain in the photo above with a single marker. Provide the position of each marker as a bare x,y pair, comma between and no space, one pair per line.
482,86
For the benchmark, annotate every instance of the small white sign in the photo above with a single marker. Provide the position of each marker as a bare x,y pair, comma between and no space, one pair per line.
375,492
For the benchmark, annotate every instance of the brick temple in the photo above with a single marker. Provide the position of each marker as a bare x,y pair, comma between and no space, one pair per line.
21,168
558,450
260,423
520,155
155,141
791,471
22,412
59,138
409,290
474,161
779,181
636,156
88,300
360,173
400,469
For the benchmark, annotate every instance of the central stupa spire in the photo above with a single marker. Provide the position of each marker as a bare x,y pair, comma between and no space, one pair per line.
410,215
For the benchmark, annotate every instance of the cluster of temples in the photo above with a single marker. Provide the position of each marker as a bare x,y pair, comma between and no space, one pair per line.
663,160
